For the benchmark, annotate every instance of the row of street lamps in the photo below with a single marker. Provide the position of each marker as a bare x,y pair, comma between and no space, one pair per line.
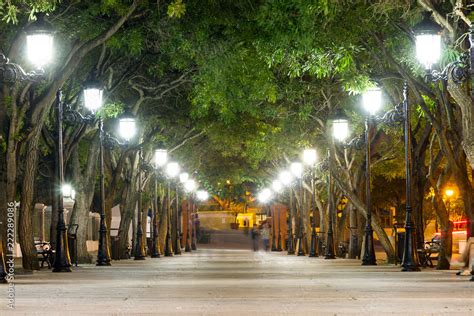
39,40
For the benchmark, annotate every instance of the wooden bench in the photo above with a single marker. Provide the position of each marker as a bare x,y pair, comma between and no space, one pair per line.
45,253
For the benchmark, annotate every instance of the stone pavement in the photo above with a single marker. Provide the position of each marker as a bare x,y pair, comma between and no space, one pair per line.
241,282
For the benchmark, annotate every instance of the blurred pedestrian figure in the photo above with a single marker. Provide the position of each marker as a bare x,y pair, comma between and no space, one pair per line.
467,257
255,235
246,226
266,236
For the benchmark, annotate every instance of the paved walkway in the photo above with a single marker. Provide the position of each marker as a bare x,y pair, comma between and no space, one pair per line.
241,282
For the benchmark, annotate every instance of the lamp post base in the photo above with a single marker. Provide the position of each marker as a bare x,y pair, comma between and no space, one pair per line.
291,248
313,251
103,262
369,253
300,247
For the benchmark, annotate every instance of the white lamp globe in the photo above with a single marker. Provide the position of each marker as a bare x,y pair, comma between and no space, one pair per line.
190,185
372,100
285,177
265,195
67,190
183,177
172,169
202,195
127,126
277,186
39,41
93,95
428,41
296,169
340,129
309,156
161,157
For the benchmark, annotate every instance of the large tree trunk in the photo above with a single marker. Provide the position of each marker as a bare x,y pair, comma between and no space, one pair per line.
84,181
460,94
25,231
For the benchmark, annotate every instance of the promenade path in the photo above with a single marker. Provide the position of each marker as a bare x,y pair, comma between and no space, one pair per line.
241,282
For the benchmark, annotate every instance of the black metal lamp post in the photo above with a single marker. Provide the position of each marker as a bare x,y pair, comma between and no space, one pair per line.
340,131
177,239
201,196
372,101
296,169
161,157
286,178
62,261
39,36
189,187
277,187
410,258
309,158
428,50
172,170
93,93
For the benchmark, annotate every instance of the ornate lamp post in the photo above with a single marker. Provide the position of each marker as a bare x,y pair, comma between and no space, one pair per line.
172,170
189,187
277,187
201,196
296,169
410,257
39,39
286,178
161,157
93,93
372,101
340,131
309,158
428,51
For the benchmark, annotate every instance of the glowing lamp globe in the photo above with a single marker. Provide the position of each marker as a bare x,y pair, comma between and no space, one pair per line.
428,41
172,169
285,177
161,157
277,186
93,95
372,100
127,126
202,195
309,156
296,169
189,185
67,190
183,177
39,41
340,129
265,195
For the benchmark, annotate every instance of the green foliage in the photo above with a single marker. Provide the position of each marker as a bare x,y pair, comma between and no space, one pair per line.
176,9
11,9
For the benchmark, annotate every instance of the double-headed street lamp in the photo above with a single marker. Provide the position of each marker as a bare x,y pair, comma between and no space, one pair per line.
428,51
340,131
286,178
277,187
39,40
189,188
93,101
296,169
309,158
372,101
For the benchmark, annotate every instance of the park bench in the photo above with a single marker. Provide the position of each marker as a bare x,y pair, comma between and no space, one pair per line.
429,253
45,253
